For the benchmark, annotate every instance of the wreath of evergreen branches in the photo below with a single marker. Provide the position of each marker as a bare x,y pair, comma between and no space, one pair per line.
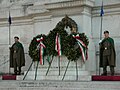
69,46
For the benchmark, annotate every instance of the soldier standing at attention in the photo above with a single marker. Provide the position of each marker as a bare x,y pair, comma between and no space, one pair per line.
17,58
107,54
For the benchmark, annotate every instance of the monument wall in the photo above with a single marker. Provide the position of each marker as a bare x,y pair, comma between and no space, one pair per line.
30,18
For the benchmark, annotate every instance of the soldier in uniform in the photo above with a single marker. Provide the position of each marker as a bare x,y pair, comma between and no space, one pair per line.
107,54
17,58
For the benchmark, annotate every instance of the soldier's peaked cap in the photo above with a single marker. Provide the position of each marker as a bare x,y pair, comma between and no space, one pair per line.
16,37
106,32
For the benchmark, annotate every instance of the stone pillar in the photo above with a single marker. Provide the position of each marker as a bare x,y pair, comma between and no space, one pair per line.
86,28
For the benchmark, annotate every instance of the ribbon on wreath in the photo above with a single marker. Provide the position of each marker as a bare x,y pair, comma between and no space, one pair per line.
41,47
58,45
83,47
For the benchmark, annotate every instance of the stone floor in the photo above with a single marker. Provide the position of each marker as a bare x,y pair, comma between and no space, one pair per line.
58,85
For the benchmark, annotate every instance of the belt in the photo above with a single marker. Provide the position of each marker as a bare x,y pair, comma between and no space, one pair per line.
105,48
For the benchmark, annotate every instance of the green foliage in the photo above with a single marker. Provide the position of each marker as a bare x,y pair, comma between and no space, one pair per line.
33,52
51,40
72,50
69,45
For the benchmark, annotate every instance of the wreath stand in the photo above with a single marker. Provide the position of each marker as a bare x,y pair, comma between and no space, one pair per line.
51,63
67,68
30,68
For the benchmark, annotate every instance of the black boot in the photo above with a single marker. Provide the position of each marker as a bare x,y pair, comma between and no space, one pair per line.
104,74
19,73
104,71
15,73
112,70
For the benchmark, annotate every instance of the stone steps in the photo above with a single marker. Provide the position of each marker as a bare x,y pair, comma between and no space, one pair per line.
56,72
53,74
56,68
58,85
70,77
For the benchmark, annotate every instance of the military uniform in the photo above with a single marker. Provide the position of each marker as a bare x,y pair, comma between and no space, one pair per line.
17,58
107,55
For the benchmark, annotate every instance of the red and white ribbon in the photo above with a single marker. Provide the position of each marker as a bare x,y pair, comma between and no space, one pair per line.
83,47
41,47
58,44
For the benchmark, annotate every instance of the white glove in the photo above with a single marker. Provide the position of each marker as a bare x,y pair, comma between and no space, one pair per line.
100,41
9,46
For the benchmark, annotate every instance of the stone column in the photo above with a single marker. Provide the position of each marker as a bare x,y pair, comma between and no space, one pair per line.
86,28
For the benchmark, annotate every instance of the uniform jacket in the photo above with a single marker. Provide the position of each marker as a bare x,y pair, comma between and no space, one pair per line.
112,52
20,57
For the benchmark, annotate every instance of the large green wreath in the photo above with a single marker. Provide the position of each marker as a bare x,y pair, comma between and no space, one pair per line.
72,49
33,51
69,46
